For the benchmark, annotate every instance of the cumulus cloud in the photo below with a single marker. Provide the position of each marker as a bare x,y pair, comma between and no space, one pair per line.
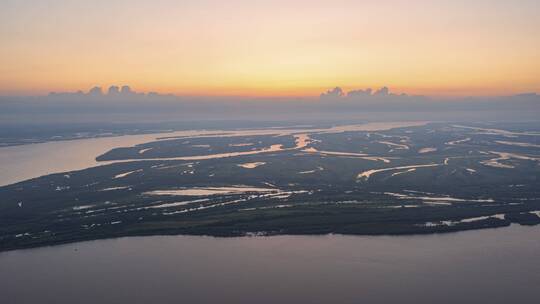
95,91
384,91
126,90
360,93
113,91
333,103
336,92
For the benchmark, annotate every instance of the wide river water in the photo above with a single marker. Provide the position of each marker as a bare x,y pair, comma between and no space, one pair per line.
483,266
23,162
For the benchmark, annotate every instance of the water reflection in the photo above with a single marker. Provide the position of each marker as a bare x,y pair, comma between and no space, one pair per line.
483,266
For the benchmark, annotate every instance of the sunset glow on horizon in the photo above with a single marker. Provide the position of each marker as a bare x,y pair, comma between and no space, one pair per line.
271,48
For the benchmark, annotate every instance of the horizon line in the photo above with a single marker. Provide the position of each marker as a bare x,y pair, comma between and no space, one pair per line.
286,94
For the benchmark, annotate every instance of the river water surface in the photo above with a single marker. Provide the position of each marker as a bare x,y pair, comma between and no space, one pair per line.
483,266
19,163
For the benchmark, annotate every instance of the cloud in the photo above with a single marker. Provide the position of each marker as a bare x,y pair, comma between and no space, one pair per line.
125,103
360,93
384,91
95,91
126,90
336,92
113,91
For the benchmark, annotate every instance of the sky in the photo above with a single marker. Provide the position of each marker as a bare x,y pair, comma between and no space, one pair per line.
271,48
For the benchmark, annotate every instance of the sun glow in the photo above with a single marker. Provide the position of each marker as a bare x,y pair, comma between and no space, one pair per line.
271,48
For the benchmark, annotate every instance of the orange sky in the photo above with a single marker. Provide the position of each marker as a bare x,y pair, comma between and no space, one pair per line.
271,48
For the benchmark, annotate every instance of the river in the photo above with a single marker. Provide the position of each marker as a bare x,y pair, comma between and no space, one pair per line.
482,266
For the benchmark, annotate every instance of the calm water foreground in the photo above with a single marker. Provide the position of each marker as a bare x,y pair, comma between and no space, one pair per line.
483,266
